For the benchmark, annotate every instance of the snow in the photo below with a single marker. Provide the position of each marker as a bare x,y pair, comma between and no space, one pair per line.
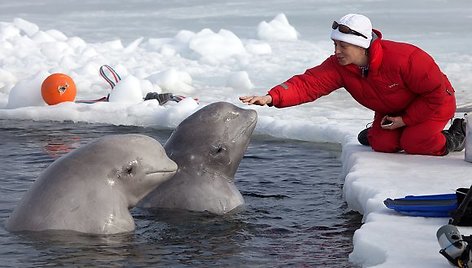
217,51
277,29
127,90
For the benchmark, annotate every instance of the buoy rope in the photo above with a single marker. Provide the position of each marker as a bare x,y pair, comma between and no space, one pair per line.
114,74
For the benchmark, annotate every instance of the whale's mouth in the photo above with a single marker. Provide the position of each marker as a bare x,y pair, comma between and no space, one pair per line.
245,130
155,178
165,169
158,172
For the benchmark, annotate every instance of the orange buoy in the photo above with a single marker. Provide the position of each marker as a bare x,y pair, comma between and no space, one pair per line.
58,88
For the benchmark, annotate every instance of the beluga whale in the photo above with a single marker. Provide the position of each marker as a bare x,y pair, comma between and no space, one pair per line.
91,189
208,147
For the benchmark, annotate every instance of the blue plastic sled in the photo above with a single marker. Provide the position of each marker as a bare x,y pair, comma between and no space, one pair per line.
441,205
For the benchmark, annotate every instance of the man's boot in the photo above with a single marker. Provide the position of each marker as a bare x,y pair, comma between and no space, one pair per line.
455,136
362,137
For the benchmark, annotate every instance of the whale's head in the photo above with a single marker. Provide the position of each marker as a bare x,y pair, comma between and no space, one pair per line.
213,139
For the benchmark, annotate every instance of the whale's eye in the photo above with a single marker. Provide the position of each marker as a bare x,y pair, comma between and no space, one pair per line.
220,154
219,149
131,168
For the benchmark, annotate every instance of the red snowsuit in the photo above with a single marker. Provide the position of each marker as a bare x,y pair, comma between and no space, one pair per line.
402,80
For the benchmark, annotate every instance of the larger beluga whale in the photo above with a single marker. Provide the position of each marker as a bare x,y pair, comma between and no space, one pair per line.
208,147
91,189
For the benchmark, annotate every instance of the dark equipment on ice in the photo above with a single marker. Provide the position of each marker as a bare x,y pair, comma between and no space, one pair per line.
457,248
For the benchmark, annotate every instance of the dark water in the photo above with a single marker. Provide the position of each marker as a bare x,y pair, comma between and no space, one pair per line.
294,214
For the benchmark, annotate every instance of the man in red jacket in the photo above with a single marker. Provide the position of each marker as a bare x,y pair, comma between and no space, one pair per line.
412,99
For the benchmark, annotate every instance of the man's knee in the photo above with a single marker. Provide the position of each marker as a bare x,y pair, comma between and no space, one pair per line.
411,147
383,141
425,145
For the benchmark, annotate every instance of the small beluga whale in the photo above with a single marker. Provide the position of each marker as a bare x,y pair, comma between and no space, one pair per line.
208,147
91,189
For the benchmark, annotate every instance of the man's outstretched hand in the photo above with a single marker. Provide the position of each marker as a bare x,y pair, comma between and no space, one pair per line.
258,100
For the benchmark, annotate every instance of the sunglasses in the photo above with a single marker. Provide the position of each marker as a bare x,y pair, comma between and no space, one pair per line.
345,29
